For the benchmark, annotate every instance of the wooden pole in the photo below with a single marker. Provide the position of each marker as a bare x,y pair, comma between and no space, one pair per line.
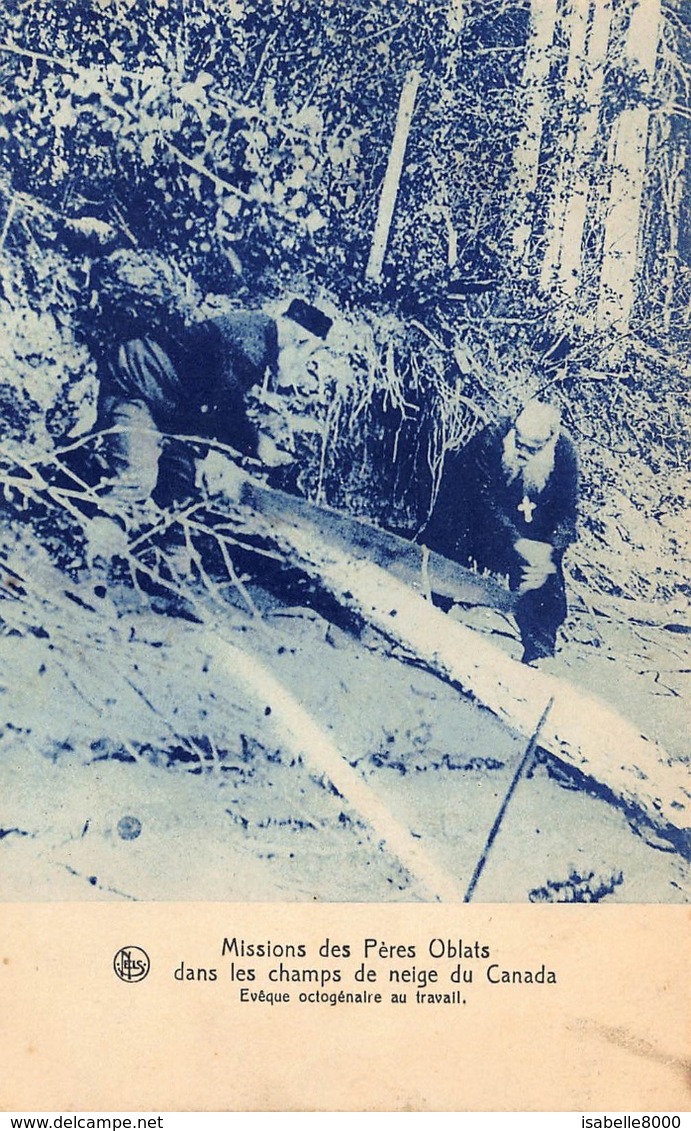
392,177
522,767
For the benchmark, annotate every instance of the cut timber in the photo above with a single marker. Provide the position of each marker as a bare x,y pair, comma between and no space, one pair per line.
582,732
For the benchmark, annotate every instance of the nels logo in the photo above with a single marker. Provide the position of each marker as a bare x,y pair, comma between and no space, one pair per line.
131,964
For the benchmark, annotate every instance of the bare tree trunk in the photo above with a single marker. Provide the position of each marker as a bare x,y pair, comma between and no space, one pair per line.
456,15
392,178
578,19
570,268
582,732
527,152
673,193
564,255
622,225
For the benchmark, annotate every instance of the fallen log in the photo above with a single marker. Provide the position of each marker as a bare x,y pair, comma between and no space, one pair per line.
586,735
583,733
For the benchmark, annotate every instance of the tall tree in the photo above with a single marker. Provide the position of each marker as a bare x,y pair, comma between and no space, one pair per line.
589,30
570,260
527,150
623,219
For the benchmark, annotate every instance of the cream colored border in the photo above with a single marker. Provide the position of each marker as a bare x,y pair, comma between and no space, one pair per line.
612,1034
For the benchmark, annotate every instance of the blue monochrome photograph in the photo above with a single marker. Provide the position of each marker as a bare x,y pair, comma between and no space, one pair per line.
344,463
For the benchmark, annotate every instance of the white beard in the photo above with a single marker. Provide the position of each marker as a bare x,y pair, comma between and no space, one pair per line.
536,471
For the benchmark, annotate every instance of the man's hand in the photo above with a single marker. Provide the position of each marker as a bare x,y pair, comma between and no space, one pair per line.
106,539
217,474
270,454
538,563
533,552
534,577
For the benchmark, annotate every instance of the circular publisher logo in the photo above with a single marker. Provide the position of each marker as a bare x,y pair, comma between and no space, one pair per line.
131,964
129,828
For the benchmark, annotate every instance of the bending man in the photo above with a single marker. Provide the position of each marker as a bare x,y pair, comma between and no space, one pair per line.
508,502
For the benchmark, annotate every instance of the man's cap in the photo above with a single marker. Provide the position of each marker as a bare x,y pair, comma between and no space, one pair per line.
309,317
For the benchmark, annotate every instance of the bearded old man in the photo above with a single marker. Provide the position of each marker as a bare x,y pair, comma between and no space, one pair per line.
508,503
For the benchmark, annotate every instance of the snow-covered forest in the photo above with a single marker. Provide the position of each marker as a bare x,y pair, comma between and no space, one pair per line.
489,199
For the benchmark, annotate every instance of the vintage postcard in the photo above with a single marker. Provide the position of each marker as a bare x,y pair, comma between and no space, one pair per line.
344,560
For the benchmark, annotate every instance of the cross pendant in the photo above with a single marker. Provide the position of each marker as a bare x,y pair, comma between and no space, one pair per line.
526,507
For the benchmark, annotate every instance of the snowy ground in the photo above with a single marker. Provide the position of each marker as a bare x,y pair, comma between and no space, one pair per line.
133,765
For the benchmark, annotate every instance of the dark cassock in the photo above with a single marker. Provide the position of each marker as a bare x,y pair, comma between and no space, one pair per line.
508,503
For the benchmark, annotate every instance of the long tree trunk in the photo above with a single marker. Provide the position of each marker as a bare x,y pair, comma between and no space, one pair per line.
456,15
582,732
623,220
569,255
673,193
527,152
578,21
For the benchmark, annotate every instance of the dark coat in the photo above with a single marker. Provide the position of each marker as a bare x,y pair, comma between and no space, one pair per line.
192,379
476,516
